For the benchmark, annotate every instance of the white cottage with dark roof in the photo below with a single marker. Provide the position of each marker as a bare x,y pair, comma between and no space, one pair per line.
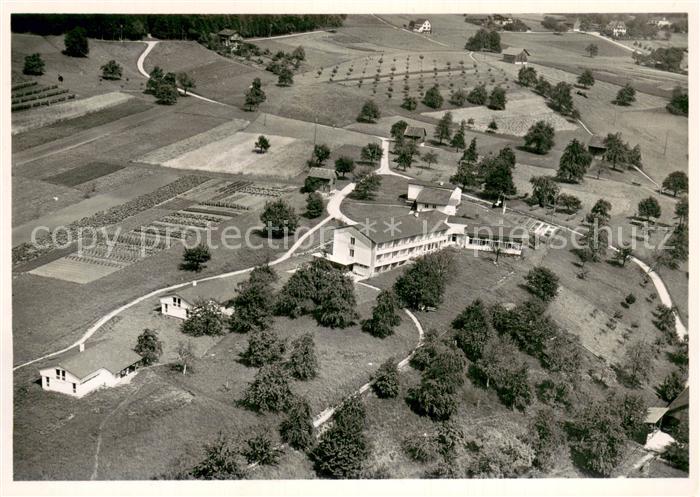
426,196
106,364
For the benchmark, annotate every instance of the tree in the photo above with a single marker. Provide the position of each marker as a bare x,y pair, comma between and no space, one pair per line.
478,95
165,93
149,347
254,95
498,455
677,182
443,127
574,162
111,70
285,76
458,138
433,398
648,208
544,190
600,211
220,461
543,283
185,356
155,78
561,99
681,211
372,152
262,144
302,363
269,391
299,53
186,82
498,177
76,42
528,325
343,449
568,203
409,103
497,99
386,380
586,78
467,175
336,306
527,76
672,386
637,362
33,65
433,98
540,137
616,151
484,40
562,354
193,259
546,437
459,97
385,316
344,165
634,157
625,96
259,449
314,205
405,154
253,303
279,218
595,243
472,330
367,186
397,131
470,154
423,283
369,112
205,318
597,439
592,50
320,154
297,428
430,158
543,87
264,347
624,254
502,372
679,102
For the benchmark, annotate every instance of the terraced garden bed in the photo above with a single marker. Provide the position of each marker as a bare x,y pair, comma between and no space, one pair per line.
83,174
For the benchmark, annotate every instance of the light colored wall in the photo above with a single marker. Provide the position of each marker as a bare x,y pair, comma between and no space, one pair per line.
173,310
342,246
101,378
413,191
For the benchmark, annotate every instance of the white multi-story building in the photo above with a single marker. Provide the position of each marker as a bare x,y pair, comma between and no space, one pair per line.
106,364
425,196
384,243
616,28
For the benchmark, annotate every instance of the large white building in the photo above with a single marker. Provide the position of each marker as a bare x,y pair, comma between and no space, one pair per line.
425,196
106,364
384,243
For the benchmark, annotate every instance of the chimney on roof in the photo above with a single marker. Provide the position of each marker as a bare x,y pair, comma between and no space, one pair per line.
81,347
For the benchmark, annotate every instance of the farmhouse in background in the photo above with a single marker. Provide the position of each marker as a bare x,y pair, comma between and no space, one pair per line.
420,26
178,305
507,240
326,177
426,196
229,38
385,243
597,146
478,19
416,134
659,22
502,20
616,28
515,55
106,364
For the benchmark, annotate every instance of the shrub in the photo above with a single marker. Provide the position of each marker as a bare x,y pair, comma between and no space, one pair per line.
269,391
420,447
220,461
543,283
264,347
302,362
386,380
149,347
297,428
205,318
33,65
259,449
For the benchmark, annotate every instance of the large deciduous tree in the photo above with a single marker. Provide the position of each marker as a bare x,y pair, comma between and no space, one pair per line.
540,137
149,347
279,218
574,162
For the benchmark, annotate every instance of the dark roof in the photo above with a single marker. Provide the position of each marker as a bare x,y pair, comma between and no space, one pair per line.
415,132
597,142
228,32
379,230
654,414
501,232
431,195
108,355
420,20
680,402
430,184
322,172
515,51
458,220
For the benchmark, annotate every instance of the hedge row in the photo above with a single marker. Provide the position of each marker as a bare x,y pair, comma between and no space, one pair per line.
19,107
26,84
34,91
37,96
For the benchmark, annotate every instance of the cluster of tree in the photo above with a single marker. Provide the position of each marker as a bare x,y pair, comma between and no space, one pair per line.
666,59
369,112
76,43
177,26
253,302
638,27
516,26
205,318
164,85
279,218
619,152
553,24
679,102
385,315
343,449
283,65
423,283
254,95
367,185
559,95
322,290
34,65
484,41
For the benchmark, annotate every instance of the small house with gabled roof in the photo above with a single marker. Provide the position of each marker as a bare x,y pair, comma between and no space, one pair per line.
420,25
416,134
515,55
229,38
326,177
